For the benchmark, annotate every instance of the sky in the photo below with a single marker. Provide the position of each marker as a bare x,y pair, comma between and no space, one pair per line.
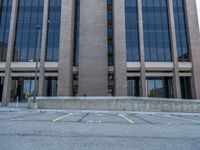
198,6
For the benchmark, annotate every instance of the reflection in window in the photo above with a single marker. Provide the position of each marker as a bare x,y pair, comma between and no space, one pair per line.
5,14
133,86
51,86
132,41
23,88
30,14
76,32
160,87
156,31
181,30
53,39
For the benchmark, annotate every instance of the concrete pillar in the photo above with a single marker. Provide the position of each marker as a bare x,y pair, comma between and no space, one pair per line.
93,56
176,79
66,48
8,79
120,64
194,40
142,54
43,48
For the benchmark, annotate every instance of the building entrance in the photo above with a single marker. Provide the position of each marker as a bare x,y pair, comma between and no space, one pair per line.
22,88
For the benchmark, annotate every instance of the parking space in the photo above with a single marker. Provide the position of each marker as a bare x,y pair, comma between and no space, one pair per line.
85,128
193,117
164,119
100,117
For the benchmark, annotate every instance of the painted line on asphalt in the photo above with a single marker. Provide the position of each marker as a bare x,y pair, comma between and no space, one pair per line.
191,120
17,119
57,119
126,118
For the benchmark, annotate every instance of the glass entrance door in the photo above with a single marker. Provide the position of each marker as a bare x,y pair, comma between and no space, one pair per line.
160,87
22,88
133,86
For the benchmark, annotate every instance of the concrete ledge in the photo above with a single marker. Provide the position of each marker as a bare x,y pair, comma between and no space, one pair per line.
119,104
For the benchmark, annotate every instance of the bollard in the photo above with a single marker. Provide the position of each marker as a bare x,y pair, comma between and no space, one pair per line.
17,102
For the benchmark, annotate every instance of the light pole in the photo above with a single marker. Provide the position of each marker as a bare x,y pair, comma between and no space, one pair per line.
38,29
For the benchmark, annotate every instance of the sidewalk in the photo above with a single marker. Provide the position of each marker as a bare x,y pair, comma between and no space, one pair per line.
9,109
13,108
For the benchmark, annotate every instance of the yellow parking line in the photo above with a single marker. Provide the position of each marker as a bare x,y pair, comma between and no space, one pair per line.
57,119
127,119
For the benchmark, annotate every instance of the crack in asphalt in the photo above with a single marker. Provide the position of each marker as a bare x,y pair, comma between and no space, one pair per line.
95,136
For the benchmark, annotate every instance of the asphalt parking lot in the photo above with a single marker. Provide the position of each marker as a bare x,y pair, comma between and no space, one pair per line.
97,130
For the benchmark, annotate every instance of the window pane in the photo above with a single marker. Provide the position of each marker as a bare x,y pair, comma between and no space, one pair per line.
156,30
53,38
5,14
131,22
181,30
30,14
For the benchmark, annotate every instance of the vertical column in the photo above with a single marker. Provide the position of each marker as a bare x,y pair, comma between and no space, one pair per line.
43,48
176,80
93,56
119,48
66,48
142,54
8,79
194,40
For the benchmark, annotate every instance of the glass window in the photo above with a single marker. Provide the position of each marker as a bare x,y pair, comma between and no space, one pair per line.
76,32
53,38
133,86
111,84
156,31
30,14
131,22
181,30
51,86
185,88
1,87
5,14
75,84
110,31
160,87
22,88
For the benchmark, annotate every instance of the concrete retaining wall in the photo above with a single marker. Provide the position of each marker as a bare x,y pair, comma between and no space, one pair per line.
119,104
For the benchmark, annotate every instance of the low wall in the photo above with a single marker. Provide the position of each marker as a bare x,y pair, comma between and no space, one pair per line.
119,104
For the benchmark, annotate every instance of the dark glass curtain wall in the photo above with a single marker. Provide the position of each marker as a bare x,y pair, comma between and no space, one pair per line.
181,30
132,40
51,86
76,32
160,87
133,86
186,92
5,14
30,14
22,88
156,31
53,40
110,31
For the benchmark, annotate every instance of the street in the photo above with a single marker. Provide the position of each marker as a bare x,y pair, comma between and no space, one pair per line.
98,130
